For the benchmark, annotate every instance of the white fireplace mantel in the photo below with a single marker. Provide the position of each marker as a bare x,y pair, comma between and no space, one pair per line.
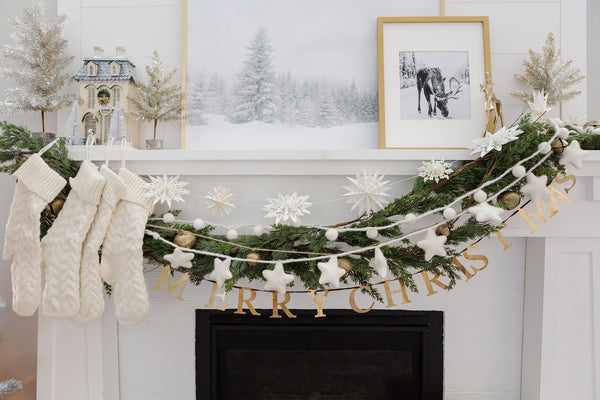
561,305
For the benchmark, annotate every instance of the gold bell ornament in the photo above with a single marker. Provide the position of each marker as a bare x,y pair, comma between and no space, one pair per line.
185,239
345,265
252,256
442,230
512,199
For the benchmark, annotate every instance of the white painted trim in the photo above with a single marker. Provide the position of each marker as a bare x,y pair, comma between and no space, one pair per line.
573,42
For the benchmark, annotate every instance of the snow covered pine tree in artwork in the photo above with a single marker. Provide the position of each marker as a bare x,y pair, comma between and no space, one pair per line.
254,95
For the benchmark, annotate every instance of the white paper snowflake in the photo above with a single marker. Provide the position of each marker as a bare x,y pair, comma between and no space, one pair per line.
287,207
166,189
435,170
368,192
494,141
219,200
539,104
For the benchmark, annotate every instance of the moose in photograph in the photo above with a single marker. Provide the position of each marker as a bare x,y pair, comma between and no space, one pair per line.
441,77
431,82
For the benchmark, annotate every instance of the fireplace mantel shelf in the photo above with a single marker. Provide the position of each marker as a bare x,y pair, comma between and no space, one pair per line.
290,162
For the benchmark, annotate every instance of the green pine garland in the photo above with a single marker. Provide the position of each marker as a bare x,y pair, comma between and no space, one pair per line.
404,258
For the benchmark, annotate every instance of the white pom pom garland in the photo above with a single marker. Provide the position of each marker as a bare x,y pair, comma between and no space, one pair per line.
258,230
480,196
563,133
519,171
231,234
544,147
449,213
410,218
198,224
332,235
168,218
372,233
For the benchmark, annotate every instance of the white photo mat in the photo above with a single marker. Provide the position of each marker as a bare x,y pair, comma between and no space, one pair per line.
444,34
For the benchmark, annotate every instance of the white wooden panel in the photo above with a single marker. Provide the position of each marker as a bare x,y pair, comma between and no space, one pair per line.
574,47
514,27
128,3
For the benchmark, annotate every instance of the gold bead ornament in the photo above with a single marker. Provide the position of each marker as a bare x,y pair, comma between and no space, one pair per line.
345,265
56,205
512,199
442,230
185,239
252,256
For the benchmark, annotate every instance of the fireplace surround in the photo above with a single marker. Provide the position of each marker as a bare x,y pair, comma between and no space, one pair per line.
380,355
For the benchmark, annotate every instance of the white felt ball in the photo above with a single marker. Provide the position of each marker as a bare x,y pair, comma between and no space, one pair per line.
563,133
519,171
372,233
332,235
297,223
258,230
198,224
232,234
449,213
168,218
480,196
544,147
410,218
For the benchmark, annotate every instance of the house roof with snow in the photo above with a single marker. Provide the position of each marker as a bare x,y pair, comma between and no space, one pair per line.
105,69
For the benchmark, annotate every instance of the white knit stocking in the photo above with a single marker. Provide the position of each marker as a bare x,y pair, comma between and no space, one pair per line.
62,246
91,288
122,251
37,185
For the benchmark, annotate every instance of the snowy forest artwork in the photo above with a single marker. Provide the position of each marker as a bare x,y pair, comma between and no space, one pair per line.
284,74
434,84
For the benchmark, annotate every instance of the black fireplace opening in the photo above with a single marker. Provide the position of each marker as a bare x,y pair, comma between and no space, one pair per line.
376,356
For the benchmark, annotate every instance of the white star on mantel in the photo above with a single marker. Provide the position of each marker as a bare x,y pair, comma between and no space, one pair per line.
180,258
277,279
331,272
485,212
379,263
536,187
573,155
433,245
221,271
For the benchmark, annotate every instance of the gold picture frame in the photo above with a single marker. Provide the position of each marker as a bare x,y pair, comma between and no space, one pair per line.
424,66
185,71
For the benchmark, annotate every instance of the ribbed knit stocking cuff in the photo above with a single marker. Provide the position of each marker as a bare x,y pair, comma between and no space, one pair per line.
136,192
39,178
88,183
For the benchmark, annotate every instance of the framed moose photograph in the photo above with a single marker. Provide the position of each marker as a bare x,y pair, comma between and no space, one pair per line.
430,72
277,74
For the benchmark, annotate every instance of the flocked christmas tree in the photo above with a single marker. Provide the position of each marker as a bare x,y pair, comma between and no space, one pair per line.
156,100
39,63
9,386
545,72
118,127
73,125
196,101
254,98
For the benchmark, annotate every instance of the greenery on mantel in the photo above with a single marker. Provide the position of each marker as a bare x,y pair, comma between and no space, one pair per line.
404,258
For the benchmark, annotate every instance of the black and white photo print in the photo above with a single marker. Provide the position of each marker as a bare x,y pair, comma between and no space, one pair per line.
434,85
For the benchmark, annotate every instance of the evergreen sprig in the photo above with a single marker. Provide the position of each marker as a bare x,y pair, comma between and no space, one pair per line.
404,258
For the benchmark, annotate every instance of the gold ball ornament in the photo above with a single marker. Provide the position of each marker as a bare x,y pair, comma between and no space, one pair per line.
345,265
56,205
442,230
512,199
252,256
185,239
559,145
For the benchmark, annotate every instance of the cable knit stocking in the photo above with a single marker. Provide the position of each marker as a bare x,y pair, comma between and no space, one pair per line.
91,289
62,246
37,185
122,251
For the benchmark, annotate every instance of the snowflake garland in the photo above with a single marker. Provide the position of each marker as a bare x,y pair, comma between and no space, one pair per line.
368,192
166,189
435,170
494,141
287,207
219,200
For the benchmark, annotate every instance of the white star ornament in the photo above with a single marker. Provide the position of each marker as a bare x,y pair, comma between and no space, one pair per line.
277,279
573,155
180,258
379,263
331,272
221,272
536,187
433,245
485,212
